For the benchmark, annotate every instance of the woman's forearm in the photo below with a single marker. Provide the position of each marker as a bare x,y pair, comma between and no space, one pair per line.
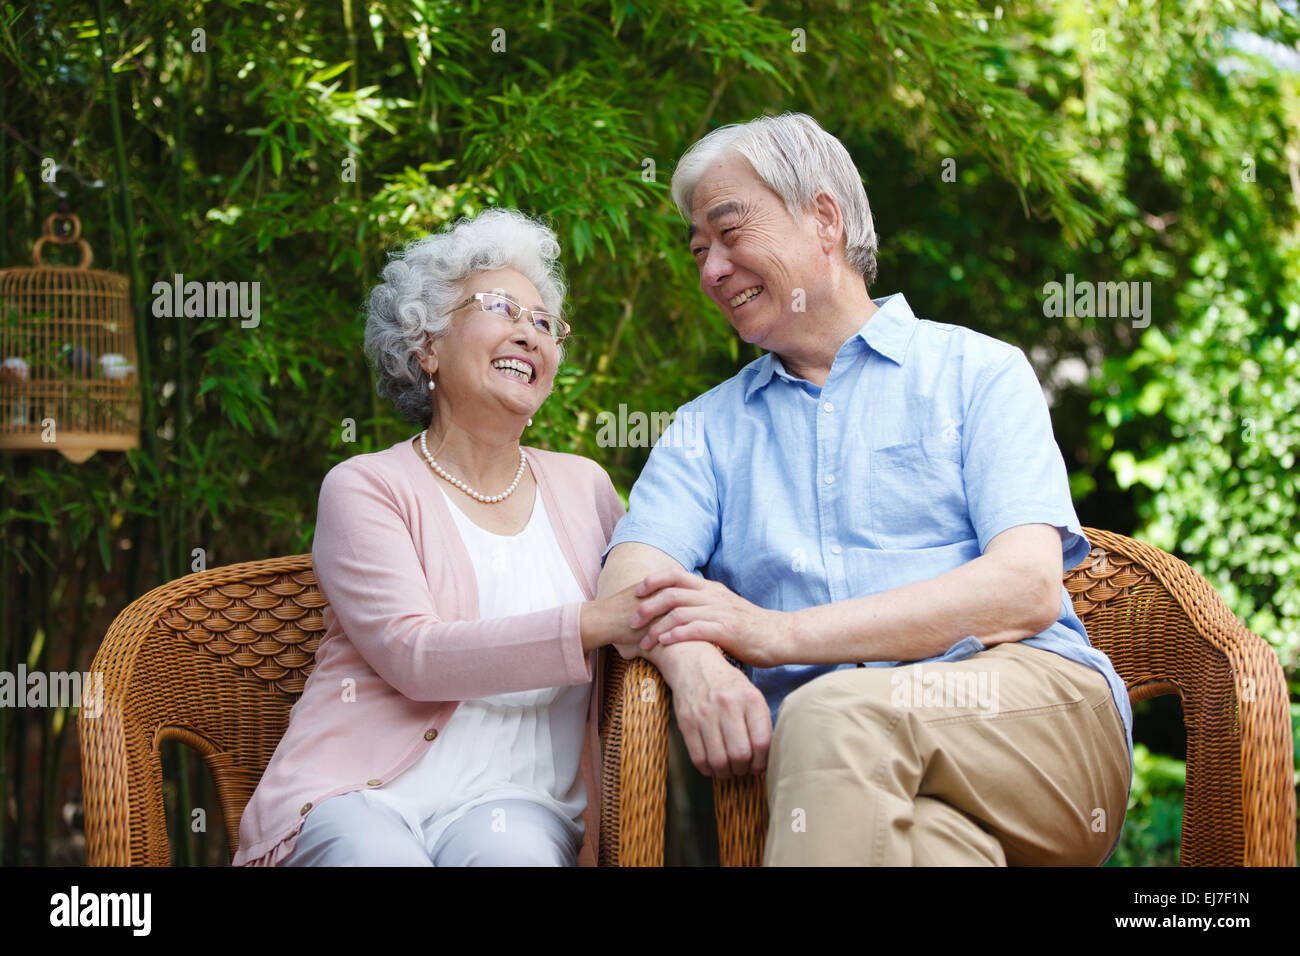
425,658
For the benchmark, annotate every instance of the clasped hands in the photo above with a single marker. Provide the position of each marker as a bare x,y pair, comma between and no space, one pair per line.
722,716
679,606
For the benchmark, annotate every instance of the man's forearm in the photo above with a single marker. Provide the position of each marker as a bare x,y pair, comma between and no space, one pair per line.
723,718
993,600
626,565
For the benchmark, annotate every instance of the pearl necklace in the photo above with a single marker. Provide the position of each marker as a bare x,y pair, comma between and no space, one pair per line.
486,499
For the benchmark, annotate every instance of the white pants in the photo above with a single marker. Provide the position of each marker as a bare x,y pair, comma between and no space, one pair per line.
349,830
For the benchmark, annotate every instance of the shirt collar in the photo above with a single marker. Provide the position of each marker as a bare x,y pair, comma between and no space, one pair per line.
888,331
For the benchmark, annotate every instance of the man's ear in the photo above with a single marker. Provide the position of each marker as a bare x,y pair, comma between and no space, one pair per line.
830,221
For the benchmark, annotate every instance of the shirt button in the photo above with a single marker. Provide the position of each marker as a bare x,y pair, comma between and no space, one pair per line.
430,734
836,549
830,479
305,808
373,782
829,406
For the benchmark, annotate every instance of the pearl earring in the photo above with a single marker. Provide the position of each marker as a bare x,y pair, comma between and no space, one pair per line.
530,421
431,385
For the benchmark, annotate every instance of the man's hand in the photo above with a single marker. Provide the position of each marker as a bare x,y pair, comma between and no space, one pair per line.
690,608
724,720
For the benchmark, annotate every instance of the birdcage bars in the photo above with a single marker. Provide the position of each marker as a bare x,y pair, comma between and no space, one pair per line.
67,354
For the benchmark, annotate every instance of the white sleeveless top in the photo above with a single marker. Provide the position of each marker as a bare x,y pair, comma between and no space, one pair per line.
525,745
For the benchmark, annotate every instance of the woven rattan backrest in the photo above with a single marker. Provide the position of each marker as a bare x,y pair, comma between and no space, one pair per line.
215,659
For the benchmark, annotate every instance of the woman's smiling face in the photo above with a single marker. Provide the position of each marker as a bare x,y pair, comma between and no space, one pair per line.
475,356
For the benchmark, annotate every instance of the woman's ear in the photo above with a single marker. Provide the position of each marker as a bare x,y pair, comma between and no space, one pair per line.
428,356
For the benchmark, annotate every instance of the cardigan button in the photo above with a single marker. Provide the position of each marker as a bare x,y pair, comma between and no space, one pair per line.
430,734
305,808
374,782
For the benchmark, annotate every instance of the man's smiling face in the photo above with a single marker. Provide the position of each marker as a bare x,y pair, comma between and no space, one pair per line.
752,255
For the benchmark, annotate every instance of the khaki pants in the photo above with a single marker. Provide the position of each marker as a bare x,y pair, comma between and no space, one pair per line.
1014,756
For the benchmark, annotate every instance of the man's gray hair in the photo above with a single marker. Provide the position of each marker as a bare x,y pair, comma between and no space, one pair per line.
420,286
797,159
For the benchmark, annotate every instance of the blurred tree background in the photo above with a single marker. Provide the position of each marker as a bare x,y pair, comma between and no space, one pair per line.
1003,147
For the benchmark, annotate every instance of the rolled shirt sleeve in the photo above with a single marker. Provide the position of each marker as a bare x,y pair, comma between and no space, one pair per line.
1011,464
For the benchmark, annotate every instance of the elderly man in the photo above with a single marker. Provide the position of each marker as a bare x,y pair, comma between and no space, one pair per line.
874,518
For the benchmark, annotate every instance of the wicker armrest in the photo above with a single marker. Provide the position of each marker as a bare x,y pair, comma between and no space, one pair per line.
634,743
740,809
1167,631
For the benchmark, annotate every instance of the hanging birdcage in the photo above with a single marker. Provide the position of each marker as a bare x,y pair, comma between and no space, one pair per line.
67,346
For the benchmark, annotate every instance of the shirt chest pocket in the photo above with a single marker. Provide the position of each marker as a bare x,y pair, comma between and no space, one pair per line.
917,495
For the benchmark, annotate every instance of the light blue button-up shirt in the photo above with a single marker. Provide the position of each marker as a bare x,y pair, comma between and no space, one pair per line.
926,442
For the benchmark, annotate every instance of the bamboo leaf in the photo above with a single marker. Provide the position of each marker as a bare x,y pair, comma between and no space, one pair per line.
104,556
328,73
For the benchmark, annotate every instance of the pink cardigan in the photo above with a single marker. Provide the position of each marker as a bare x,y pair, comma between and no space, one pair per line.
403,645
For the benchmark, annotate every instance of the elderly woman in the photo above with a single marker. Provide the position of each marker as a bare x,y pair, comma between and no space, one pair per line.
450,718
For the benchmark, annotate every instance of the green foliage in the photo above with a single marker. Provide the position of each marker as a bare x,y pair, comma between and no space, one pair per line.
1198,417
1224,492
1153,826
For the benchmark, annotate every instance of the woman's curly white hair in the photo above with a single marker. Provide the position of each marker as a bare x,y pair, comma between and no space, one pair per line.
421,283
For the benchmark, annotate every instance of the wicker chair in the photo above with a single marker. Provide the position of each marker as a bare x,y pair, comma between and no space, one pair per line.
1167,632
216,660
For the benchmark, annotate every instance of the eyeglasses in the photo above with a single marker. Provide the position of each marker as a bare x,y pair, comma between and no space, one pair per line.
512,311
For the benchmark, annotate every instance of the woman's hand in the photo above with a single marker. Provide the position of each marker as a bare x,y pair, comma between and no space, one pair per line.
690,608
607,621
